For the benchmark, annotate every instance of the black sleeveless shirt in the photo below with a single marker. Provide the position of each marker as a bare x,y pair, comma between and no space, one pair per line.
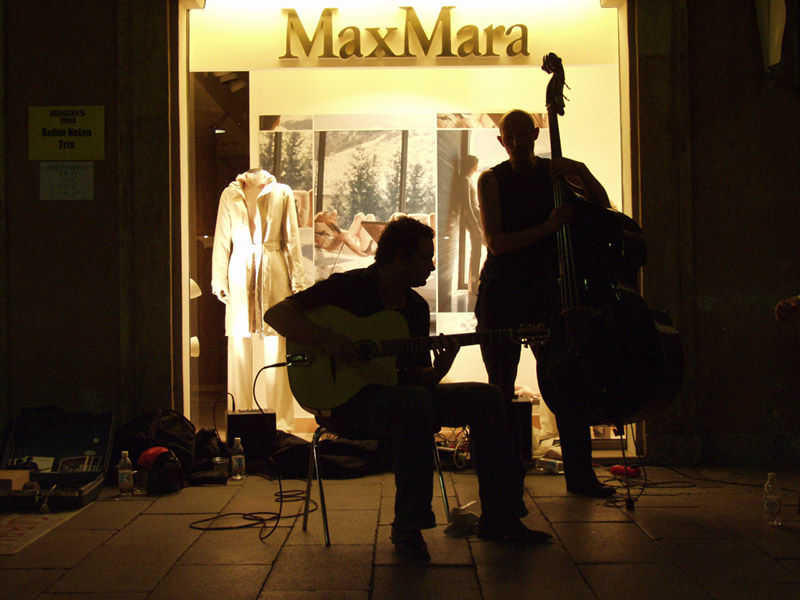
526,199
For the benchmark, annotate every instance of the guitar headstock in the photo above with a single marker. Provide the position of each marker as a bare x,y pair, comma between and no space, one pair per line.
531,335
552,64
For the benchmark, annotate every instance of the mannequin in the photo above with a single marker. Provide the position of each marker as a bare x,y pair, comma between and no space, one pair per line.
256,262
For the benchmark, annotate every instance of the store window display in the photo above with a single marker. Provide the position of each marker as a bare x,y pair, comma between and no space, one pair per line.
465,202
256,263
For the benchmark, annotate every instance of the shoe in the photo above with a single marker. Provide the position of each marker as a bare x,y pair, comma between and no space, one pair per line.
511,531
593,490
409,544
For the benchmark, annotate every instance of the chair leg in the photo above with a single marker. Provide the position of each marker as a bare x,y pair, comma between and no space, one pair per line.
311,469
438,464
323,509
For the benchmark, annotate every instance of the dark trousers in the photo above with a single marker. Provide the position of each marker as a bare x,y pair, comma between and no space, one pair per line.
501,362
511,301
410,415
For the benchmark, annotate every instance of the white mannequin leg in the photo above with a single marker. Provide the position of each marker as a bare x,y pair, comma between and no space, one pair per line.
279,396
240,376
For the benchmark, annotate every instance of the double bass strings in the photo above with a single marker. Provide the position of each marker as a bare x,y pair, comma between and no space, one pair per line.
568,280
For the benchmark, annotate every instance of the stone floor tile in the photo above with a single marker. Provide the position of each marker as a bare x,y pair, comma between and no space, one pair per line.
731,507
100,596
403,582
317,567
166,529
792,565
57,549
231,582
350,497
236,547
725,561
664,500
508,570
778,542
315,595
193,500
108,514
444,550
637,581
681,523
26,584
263,500
466,492
345,527
608,543
540,484
120,568
757,591
575,508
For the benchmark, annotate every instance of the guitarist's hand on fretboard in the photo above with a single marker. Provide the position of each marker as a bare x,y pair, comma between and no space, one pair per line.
445,349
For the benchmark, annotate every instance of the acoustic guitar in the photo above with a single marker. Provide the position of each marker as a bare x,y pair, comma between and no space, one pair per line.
320,381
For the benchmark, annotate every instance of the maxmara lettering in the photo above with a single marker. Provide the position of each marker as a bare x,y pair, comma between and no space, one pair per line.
414,41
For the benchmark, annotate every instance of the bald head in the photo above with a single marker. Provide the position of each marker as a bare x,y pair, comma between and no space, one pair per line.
517,119
518,133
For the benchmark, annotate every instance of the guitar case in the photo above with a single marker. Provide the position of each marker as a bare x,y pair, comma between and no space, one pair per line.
66,454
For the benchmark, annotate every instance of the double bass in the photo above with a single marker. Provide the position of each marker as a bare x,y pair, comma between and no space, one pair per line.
610,351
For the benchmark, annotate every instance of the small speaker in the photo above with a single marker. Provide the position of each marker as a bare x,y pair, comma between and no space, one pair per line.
257,430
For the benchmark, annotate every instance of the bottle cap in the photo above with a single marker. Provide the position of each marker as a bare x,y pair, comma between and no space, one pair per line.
237,440
770,474
124,454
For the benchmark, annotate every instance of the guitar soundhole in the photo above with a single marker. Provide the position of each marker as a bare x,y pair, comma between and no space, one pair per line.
368,349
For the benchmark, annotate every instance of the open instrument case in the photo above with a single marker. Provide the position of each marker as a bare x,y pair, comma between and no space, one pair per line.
67,455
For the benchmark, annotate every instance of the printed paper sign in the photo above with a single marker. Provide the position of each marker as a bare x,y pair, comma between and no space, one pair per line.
66,133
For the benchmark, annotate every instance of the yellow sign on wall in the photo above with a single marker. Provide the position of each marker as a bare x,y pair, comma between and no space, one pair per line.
66,133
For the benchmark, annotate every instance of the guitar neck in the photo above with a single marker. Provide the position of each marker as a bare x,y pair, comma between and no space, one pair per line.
423,344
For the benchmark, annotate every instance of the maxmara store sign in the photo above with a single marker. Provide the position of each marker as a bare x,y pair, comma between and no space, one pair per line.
413,41
252,34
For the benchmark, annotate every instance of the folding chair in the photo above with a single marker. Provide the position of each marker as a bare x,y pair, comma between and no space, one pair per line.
313,467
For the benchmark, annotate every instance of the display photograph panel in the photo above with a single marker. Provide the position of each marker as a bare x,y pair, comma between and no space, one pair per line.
351,174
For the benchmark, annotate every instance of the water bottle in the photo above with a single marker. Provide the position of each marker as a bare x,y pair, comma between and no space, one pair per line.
772,501
125,475
237,459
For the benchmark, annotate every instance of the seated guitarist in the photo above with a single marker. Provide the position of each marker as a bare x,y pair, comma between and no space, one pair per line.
412,411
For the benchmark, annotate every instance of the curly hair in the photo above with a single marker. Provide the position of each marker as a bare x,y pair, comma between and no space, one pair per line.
401,234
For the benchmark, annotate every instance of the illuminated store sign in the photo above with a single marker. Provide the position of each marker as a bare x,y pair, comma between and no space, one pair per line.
377,42
248,35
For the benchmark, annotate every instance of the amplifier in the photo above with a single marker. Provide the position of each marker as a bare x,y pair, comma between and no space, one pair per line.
257,430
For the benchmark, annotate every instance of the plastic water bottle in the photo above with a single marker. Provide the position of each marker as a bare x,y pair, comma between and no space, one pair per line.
237,459
772,501
125,475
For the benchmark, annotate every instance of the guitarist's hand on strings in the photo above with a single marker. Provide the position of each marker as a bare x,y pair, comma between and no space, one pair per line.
444,351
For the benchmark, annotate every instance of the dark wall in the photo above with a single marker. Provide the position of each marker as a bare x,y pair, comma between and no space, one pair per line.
745,137
718,144
63,257
87,293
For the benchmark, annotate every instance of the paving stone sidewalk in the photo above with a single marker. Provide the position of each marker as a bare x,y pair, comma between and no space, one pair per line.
694,533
